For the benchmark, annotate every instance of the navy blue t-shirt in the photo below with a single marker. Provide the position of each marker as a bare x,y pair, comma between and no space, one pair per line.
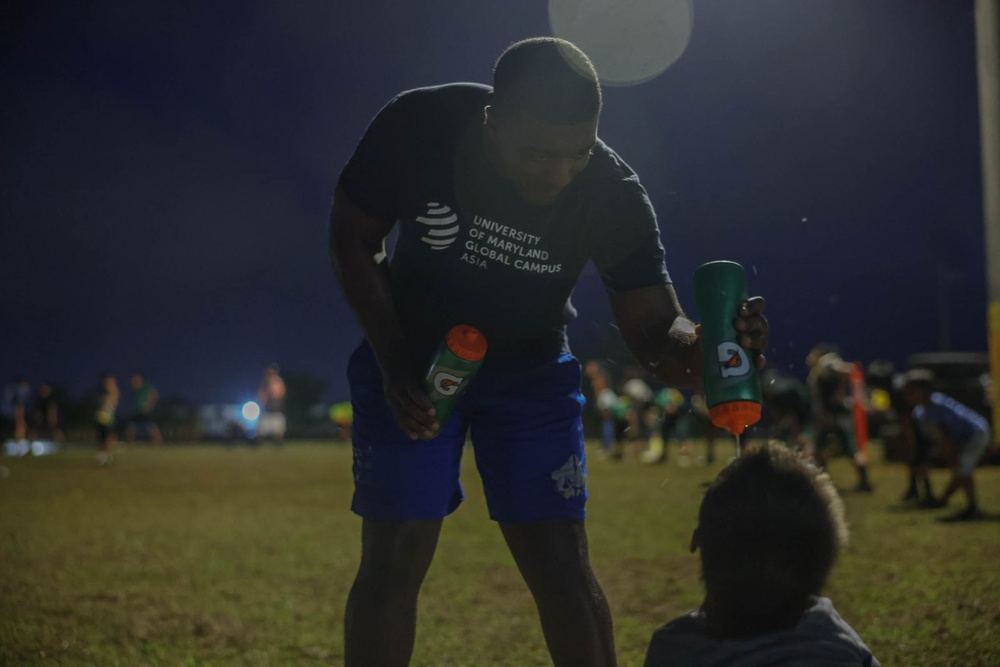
471,250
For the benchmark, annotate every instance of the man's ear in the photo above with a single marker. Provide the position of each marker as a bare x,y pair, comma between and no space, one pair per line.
694,541
489,120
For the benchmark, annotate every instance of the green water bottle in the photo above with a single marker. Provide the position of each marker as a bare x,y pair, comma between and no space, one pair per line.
732,389
453,366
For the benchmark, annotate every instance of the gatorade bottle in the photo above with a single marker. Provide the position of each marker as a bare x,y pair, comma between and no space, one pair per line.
455,362
732,389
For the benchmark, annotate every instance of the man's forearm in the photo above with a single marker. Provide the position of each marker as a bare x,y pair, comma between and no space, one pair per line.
367,288
659,335
671,351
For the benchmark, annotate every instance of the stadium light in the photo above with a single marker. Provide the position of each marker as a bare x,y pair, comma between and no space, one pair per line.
629,41
251,411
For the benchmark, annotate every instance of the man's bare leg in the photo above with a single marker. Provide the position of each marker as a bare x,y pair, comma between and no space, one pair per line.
554,561
381,617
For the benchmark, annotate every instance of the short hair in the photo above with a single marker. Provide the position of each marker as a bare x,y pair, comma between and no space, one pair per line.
769,530
548,79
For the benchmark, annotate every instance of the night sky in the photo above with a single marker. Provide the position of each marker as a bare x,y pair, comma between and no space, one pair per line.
167,169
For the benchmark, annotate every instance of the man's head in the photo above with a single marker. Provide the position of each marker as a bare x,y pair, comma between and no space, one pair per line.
769,530
917,387
541,124
137,381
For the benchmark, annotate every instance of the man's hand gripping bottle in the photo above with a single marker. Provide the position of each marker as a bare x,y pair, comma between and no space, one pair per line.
453,366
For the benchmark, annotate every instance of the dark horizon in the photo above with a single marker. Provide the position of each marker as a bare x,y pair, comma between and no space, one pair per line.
167,174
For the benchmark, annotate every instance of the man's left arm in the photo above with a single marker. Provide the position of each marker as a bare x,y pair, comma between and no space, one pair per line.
667,343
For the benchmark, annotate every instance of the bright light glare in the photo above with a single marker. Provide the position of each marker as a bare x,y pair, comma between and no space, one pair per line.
629,41
251,411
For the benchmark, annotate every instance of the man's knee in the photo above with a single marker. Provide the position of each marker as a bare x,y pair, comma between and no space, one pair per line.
395,555
552,554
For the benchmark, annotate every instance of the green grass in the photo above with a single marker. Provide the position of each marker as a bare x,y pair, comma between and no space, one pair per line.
202,555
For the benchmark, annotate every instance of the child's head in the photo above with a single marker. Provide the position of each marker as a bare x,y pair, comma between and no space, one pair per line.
917,390
769,530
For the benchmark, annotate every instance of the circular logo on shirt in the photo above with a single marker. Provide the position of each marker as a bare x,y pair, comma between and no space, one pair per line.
446,384
440,225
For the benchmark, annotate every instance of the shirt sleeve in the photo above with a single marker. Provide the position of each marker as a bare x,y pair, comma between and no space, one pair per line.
626,246
372,176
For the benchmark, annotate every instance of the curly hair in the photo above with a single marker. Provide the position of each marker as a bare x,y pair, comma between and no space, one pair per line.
769,530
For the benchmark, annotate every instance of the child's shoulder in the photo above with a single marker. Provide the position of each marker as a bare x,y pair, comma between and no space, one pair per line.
820,636
683,636
821,620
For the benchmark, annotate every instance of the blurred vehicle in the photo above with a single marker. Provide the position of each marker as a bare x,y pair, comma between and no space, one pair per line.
229,422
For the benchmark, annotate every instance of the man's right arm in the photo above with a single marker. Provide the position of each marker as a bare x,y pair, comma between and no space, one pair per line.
357,253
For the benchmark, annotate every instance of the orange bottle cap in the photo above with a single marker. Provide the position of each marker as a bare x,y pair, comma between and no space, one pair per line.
735,416
467,342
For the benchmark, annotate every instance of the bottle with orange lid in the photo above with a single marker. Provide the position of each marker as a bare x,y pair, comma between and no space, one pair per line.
453,366
732,387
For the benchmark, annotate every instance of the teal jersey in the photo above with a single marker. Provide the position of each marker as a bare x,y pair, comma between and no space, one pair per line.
143,399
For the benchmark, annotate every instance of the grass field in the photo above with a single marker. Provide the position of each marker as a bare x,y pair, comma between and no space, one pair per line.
204,555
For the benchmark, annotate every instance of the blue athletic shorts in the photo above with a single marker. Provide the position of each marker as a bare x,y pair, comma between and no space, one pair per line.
527,435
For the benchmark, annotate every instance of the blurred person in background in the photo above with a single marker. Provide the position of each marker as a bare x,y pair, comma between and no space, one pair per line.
271,398
829,383
891,421
662,417
141,423
695,424
640,399
964,434
342,414
790,406
108,395
44,420
604,399
14,411
882,415
917,448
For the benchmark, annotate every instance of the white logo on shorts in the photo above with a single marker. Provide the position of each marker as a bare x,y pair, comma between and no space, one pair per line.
571,478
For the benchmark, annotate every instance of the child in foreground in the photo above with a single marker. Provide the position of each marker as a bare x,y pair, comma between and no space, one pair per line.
769,530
